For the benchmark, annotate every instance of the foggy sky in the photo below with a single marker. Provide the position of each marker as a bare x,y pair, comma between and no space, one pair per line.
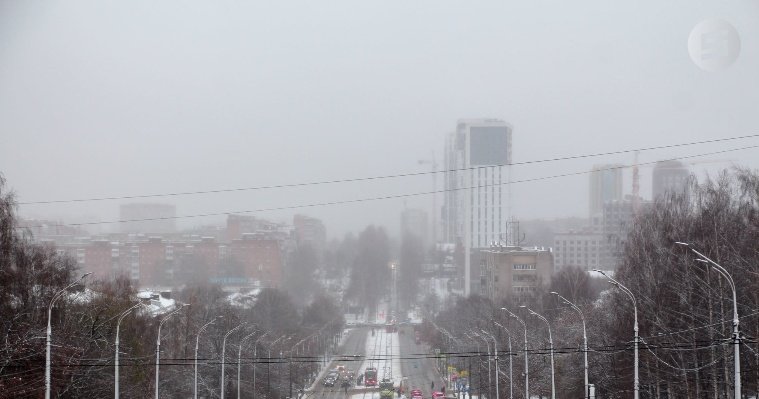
101,98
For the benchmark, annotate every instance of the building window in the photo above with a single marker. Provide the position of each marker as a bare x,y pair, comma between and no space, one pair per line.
524,266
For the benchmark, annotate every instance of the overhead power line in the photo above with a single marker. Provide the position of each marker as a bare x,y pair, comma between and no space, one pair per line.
619,347
370,178
386,197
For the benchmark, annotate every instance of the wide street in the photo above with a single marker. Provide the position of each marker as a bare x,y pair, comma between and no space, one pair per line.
417,370
350,355
417,366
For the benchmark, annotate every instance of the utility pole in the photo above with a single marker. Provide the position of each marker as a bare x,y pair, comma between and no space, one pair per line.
197,345
49,335
526,362
116,356
584,339
158,346
736,320
636,378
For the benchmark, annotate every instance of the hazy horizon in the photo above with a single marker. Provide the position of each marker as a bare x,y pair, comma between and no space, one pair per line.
116,99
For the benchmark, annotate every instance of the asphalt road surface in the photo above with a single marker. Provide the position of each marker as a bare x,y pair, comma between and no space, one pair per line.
355,345
417,365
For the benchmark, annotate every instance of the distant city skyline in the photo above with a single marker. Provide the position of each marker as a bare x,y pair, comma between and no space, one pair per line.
236,97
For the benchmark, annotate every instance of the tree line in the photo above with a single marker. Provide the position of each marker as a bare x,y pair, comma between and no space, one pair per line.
290,338
685,308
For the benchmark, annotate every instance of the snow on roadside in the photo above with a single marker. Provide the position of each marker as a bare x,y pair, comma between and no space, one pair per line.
383,352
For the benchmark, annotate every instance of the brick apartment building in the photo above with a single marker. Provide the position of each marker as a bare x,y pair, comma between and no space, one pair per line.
261,258
516,272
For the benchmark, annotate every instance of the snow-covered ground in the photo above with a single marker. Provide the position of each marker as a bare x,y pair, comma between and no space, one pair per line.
376,395
352,319
156,304
383,351
382,316
244,300
366,395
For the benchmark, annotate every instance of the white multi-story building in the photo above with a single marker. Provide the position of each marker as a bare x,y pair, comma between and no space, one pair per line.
475,211
583,249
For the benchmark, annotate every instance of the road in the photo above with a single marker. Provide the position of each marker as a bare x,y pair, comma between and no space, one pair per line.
418,368
354,345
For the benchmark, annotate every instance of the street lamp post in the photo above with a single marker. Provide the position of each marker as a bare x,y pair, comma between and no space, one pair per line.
158,346
49,335
636,380
487,344
197,343
584,339
223,355
255,359
511,370
736,321
268,365
451,341
550,341
495,348
239,359
526,362
300,344
479,373
116,356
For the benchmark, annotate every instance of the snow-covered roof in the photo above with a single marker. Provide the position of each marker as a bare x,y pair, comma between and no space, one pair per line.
156,303
244,300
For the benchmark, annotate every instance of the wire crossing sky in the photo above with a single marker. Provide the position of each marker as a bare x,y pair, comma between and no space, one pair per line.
395,196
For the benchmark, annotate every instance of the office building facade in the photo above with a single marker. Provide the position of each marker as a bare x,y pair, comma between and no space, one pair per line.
669,177
605,187
475,210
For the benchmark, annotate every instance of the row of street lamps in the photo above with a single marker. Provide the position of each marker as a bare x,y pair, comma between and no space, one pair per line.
121,317
482,334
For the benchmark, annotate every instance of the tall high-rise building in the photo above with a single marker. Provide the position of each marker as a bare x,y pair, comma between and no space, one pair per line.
669,177
583,248
605,187
475,211
618,218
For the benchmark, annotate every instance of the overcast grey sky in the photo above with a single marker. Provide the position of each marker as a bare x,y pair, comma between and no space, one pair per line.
135,97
